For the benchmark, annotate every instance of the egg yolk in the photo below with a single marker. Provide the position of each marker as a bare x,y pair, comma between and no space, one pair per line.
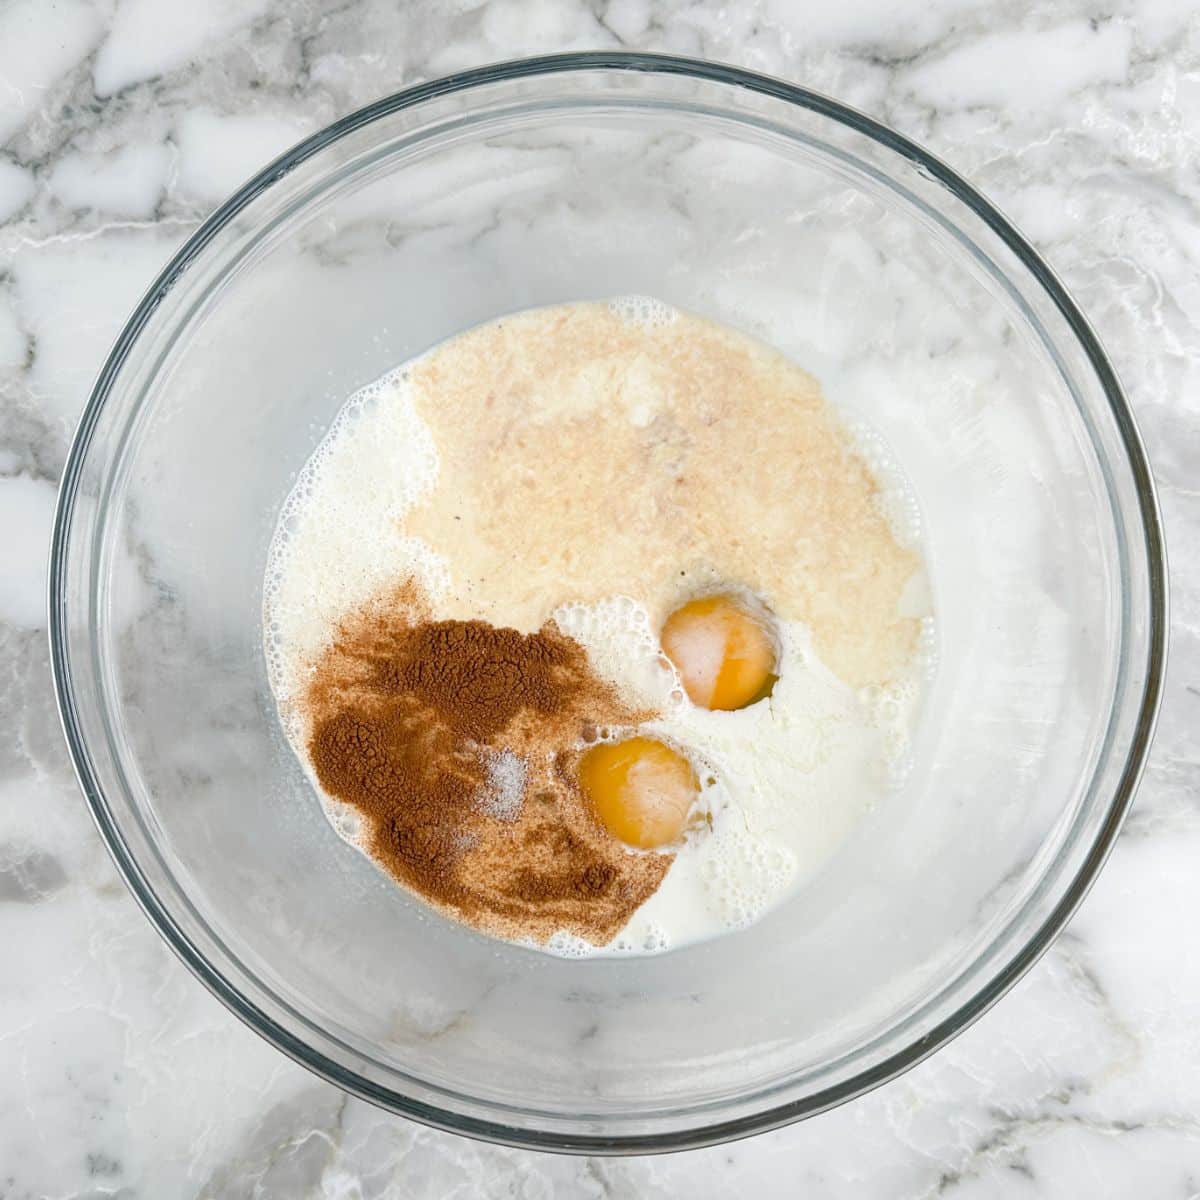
641,790
724,652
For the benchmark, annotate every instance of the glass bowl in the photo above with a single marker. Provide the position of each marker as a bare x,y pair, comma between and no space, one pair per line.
744,199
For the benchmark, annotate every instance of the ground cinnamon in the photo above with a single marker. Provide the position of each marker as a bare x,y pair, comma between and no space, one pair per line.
457,742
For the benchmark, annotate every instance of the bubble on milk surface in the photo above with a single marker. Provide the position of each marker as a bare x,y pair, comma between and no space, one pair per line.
644,310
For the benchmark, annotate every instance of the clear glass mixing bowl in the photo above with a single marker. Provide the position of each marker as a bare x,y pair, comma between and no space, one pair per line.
743,199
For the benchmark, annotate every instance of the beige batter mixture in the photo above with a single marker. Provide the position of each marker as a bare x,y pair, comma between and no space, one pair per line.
583,454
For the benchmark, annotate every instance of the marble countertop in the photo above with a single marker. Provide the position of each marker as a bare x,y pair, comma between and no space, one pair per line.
122,123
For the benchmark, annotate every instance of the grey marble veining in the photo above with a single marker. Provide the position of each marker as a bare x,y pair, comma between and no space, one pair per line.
121,125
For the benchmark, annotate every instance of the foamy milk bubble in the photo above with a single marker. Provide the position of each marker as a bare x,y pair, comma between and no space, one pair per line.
339,540
896,500
644,310
565,945
622,648
347,822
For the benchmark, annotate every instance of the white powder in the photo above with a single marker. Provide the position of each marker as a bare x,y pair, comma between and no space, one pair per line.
505,789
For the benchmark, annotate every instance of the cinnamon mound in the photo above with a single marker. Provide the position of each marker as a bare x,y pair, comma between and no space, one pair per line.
408,720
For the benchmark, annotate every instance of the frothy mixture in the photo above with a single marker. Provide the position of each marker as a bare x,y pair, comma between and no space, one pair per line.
576,562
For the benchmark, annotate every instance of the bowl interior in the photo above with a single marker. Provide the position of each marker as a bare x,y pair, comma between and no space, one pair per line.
749,203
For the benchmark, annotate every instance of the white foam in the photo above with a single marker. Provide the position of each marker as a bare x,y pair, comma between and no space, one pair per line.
644,310
347,821
895,498
565,945
623,648
338,541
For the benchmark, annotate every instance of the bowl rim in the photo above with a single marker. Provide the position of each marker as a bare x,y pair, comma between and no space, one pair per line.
772,1117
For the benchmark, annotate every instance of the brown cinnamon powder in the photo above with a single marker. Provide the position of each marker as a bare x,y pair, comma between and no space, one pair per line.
407,717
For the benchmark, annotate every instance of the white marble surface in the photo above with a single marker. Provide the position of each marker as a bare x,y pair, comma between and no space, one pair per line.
121,124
